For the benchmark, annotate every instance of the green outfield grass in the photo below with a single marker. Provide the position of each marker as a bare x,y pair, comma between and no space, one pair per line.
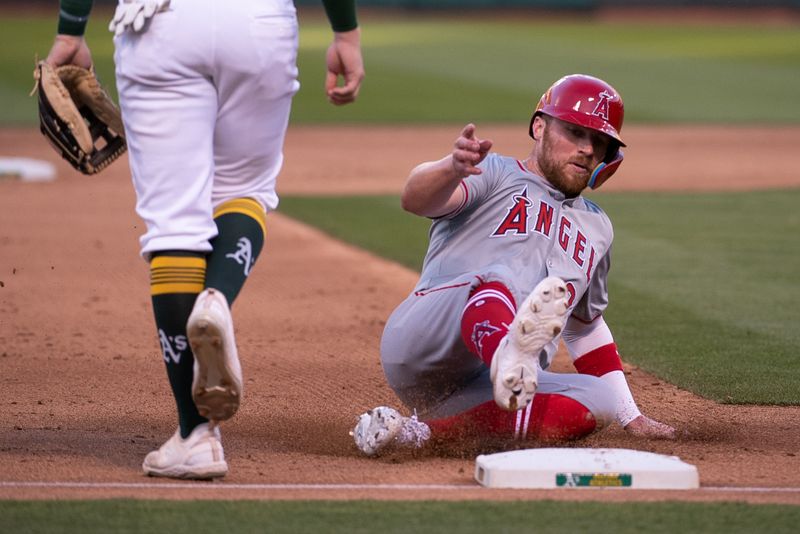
489,70
703,288
352,517
439,69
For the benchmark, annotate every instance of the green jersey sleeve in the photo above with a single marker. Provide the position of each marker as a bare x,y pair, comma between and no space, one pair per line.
341,14
73,16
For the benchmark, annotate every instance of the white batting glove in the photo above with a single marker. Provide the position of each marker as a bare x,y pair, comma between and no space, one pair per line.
134,14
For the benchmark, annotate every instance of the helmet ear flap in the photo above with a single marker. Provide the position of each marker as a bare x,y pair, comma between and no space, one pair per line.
530,127
604,170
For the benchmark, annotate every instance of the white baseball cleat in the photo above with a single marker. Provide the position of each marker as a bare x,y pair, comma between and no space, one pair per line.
384,426
217,385
199,456
515,364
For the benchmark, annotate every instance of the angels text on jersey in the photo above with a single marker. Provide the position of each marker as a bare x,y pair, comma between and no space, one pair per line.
570,239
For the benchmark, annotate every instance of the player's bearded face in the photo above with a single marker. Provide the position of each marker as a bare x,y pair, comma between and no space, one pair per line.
568,153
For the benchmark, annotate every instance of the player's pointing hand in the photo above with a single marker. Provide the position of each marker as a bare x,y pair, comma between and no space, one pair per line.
469,151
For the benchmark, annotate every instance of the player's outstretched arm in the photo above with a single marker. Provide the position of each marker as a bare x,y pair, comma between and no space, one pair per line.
432,187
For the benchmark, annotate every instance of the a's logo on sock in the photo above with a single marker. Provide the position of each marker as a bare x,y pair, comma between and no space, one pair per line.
480,331
243,254
172,347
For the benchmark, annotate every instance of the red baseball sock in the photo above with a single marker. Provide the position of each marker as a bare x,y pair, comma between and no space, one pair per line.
485,319
556,417
599,361
549,417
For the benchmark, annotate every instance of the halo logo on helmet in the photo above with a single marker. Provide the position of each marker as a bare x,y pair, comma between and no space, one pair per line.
592,103
601,109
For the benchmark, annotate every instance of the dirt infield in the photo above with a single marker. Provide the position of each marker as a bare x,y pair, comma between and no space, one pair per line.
85,395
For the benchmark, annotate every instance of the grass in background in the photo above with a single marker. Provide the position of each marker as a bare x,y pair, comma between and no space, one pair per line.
705,291
434,68
488,69
276,517
703,287
374,223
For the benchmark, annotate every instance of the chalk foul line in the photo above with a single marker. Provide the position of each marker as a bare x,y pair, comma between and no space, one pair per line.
195,485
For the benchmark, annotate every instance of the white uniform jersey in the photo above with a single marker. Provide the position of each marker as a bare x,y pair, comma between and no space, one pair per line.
513,218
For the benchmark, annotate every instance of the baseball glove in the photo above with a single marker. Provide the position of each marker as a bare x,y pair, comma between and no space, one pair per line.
78,118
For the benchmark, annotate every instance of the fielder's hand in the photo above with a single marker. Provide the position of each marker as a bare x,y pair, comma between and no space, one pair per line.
343,58
69,50
469,151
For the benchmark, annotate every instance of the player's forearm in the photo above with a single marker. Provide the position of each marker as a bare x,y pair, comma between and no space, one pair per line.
341,14
430,188
592,348
73,16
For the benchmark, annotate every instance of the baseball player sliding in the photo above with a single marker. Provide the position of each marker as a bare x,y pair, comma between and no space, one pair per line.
205,90
517,260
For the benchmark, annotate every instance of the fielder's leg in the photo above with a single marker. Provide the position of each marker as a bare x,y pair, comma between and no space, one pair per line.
218,386
176,278
241,229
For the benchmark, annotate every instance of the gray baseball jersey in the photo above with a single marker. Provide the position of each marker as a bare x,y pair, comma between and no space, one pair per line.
513,227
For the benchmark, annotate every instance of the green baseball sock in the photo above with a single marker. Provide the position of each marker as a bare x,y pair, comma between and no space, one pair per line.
176,278
241,226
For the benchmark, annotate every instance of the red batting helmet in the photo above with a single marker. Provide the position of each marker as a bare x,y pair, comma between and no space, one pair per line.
592,103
